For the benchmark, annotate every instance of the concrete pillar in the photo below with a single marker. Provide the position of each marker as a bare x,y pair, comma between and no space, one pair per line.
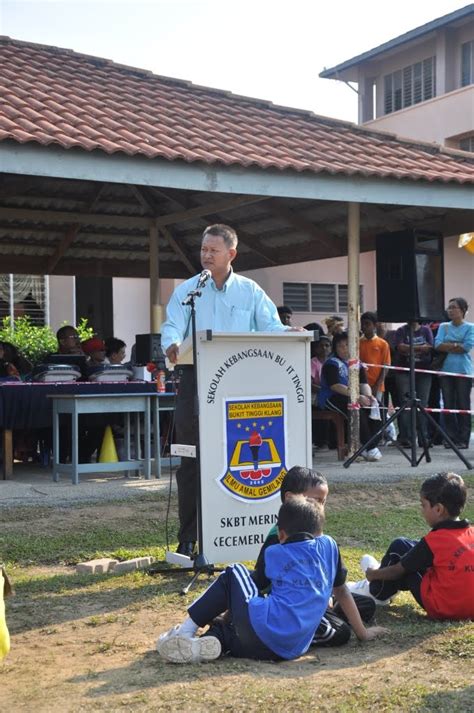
353,319
156,316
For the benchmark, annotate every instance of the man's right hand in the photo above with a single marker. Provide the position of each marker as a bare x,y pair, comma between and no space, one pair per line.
172,353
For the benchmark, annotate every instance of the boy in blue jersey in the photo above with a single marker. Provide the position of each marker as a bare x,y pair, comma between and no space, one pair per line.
279,626
338,621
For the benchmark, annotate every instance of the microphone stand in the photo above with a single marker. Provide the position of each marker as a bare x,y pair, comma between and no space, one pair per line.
201,565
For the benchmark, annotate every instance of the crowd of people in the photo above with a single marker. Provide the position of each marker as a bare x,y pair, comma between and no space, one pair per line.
444,347
14,365
96,350
297,596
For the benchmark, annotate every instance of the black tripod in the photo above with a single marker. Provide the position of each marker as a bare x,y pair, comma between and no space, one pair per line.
413,405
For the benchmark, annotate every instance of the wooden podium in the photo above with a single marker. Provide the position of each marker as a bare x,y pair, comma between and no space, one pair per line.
254,392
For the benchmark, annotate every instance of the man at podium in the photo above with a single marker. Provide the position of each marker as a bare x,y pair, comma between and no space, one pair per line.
228,303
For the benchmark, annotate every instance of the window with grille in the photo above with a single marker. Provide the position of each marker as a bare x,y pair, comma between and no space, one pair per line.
22,295
467,63
410,85
317,297
467,144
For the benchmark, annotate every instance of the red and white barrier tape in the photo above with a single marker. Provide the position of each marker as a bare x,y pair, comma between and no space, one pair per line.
419,371
449,410
426,408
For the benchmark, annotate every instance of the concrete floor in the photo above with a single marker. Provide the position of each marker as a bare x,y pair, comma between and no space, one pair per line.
32,485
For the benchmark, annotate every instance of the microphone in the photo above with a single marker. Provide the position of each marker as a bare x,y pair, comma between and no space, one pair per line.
203,278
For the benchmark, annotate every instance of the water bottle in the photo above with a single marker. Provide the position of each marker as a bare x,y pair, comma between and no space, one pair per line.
160,381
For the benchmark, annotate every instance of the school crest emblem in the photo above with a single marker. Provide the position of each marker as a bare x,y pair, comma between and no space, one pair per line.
255,448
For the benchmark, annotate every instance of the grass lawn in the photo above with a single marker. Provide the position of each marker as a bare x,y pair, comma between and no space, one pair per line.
87,642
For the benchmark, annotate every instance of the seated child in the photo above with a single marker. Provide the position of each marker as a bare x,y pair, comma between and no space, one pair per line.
281,625
114,350
438,569
333,629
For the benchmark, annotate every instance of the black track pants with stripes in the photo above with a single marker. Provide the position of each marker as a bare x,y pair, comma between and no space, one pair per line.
334,630
230,595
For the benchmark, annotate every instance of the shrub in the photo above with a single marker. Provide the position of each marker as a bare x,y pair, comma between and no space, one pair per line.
35,342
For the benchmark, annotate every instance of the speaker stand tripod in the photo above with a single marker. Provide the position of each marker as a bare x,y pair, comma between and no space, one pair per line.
413,405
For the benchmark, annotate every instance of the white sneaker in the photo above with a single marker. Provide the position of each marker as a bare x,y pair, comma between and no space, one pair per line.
367,561
174,631
373,454
362,587
184,649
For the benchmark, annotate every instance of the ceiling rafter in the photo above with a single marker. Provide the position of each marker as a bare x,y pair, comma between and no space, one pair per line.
306,226
245,238
148,204
72,233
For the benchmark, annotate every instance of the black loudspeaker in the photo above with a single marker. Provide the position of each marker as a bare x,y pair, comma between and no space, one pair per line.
148,348
410,276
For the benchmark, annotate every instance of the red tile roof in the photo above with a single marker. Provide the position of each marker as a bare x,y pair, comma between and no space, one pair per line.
54,96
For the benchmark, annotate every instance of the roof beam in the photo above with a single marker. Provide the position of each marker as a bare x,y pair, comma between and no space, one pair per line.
306,226
71,234
217,206
193,269
245,238
22,264
63,217
30,159
67,240
150,206
85,238
383,217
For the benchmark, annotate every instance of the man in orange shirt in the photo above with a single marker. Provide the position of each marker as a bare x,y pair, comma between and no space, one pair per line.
373,350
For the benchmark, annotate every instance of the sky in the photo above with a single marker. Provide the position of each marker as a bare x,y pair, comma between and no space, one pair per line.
269,49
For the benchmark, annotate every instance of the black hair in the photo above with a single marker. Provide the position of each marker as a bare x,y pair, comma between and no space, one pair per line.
312,326
447,489
113,345
462,304
228,234
370,317
11,352
63,331
301,515
299,480
284,309
339,337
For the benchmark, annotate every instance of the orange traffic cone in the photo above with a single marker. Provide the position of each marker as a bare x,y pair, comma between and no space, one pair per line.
108,452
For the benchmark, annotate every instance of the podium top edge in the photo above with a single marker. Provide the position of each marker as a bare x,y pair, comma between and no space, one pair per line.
207,335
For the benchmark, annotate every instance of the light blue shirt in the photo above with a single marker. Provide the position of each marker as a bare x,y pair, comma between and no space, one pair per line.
463,334
240,306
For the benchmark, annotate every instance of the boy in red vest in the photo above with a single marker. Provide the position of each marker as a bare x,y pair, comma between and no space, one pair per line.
439,569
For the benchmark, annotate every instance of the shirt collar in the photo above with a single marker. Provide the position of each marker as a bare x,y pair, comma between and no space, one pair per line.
299,537
451,525
230,279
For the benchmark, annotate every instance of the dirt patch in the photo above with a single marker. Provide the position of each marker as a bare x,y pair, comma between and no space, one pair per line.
92,648
83,644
